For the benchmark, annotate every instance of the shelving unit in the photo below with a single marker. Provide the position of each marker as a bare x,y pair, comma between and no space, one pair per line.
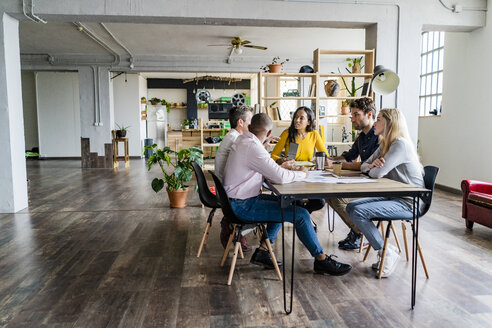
317,94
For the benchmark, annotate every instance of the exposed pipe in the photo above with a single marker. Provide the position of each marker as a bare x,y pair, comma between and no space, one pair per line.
95,75
120,43
82,28
32,16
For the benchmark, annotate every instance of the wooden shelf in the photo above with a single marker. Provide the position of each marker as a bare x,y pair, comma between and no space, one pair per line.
288,98
289,74
339,98
178,107
366,75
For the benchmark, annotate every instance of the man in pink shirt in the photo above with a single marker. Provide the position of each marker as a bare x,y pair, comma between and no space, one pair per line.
247,166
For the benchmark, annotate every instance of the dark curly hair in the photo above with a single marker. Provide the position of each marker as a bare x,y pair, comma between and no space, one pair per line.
365,104
309,127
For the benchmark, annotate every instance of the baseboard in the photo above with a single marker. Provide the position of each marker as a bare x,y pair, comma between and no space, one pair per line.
449,189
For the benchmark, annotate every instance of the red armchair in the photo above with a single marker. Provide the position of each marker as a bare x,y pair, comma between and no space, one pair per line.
477,202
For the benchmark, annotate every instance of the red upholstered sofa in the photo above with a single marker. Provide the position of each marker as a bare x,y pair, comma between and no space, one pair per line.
477,202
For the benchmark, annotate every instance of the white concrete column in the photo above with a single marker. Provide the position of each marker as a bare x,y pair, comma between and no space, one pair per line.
13,186
96,116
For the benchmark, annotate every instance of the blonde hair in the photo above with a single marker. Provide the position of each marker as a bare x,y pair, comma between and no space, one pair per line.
395,127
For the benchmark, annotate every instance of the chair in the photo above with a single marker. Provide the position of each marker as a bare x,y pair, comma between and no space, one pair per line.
430,175
477,202
239,227
208,199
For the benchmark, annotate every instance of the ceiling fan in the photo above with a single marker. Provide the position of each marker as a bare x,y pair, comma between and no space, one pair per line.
237,43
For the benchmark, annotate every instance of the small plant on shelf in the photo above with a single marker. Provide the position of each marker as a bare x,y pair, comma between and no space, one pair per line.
275,66
155,101
143,100
165,103
355,64
186,124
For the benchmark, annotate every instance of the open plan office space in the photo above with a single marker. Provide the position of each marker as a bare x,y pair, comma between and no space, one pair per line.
108,108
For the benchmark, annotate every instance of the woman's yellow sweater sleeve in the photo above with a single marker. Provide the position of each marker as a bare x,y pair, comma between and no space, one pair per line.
281,144
320,145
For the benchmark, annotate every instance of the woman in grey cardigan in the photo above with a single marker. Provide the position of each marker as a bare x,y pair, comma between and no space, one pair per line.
396,159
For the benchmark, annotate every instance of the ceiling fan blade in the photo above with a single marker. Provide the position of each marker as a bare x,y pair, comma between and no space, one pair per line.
245,42
256,47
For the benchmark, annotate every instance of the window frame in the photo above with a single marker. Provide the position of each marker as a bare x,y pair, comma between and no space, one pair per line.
431,73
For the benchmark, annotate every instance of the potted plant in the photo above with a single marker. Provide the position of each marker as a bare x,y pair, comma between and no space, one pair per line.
155,101
182,171
275,66
352,90
186,124
121,131
355,64
143,100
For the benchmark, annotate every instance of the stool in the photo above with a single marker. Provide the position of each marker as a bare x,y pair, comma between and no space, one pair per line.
117,158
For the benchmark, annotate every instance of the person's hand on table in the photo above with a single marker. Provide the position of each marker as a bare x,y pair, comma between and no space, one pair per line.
303,169
281,160
329,163
288,164
379,162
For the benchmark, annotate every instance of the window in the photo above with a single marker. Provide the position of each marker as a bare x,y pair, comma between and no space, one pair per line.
431,71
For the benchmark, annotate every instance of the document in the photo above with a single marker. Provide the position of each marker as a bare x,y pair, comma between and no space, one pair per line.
328,177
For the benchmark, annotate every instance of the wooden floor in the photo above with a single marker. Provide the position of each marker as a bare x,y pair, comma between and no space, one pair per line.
98,248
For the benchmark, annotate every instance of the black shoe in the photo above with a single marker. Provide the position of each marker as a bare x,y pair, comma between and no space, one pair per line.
352,243
262,257
350,236
330,266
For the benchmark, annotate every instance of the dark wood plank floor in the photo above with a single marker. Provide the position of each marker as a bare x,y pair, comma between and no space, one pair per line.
98,248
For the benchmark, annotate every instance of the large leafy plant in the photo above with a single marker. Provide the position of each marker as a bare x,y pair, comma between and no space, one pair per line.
180,161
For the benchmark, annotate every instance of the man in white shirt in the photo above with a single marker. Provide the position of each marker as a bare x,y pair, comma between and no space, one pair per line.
247,166
240,119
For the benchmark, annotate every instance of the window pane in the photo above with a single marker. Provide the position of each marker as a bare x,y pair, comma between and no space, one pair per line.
428,85
429,63
424,41
422,87
439,98
435,55
434,83
436,40
421,106
424,64
441,41
439,82
441,59
432,103
427,105
430,41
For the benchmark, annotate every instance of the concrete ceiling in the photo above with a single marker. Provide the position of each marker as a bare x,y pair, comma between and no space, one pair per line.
148,40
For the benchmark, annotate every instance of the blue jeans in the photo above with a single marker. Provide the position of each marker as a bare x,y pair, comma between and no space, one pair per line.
361,212
267,208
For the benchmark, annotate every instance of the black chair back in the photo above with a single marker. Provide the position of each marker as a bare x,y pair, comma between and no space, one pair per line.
430,175
206,197
225,204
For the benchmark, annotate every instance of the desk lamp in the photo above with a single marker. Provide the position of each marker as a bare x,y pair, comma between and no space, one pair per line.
384,81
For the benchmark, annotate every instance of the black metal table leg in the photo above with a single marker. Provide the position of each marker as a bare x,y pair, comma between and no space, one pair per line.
289,310
415,233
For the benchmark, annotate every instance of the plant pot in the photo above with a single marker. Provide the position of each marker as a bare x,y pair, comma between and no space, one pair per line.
177,198
143,101
120,133
275,68
186,127
346,110
356,69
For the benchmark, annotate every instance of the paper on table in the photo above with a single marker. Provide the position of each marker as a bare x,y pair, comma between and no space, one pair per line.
326,177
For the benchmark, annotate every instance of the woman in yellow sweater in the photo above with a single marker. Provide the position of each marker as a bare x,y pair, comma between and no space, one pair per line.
302,132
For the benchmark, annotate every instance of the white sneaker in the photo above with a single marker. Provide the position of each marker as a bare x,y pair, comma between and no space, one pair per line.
390,262
375,266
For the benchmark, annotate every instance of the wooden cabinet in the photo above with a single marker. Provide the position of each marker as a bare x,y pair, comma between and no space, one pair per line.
174,140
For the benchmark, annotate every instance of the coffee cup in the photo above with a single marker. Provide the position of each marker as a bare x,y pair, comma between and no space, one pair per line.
320,160
337,168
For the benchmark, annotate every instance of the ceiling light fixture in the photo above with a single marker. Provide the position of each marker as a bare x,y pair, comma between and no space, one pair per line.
238,50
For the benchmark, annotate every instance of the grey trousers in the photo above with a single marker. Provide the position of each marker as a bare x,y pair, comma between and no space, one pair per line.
340,205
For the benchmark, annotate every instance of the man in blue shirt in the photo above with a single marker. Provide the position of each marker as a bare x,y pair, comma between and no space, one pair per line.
363,116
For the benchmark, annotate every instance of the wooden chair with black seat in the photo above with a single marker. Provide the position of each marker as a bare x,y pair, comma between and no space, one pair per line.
208,199
239,227
430,175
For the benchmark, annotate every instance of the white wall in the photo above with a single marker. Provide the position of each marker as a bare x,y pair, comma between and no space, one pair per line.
30,110
459,141
126,98
57,97
142,92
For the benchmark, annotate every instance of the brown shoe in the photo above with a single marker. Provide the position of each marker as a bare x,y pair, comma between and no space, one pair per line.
244,244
